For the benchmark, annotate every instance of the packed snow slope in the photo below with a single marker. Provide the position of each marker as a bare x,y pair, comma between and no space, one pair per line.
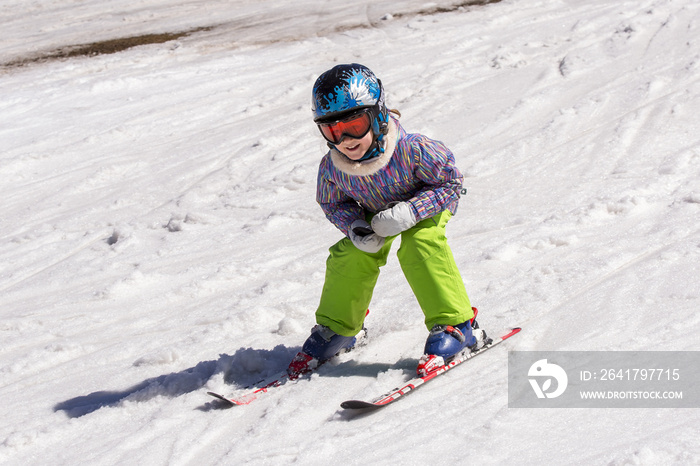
159,235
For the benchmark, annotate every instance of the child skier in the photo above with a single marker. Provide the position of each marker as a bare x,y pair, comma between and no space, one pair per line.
378,182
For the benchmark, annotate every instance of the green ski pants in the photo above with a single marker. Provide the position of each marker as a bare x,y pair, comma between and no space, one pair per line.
427,263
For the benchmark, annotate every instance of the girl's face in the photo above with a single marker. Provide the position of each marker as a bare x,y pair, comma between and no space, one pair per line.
355,149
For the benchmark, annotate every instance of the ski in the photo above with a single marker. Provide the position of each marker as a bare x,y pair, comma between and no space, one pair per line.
251,396
411,385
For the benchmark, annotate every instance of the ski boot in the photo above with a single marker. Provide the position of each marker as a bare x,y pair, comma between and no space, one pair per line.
322,344
445,341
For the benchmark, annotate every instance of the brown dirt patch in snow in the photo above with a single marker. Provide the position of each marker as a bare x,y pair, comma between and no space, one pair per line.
104,47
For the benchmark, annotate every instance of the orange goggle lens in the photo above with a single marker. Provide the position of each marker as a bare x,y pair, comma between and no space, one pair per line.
355,126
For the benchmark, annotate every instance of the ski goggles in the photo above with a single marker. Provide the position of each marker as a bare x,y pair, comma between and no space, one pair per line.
355,126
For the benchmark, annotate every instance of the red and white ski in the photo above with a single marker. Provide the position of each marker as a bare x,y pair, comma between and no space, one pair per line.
301,368
251,396
413,384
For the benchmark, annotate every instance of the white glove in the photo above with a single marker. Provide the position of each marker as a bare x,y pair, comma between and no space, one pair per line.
364,238
393,221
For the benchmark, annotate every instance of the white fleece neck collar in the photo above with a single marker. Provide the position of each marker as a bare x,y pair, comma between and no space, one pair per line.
371,166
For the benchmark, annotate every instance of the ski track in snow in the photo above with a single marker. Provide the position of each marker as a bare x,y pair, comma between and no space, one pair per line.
160,236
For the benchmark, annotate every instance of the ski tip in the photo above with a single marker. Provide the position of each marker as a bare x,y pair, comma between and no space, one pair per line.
220,397
357,404
234,402
512,332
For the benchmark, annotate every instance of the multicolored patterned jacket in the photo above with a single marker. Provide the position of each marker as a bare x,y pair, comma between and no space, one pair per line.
413,168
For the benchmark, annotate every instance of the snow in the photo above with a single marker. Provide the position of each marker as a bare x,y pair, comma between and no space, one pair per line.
160,236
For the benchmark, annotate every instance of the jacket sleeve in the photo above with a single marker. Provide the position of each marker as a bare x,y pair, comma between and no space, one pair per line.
340,209
435,166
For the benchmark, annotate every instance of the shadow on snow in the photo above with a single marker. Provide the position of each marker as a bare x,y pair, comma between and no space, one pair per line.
245,367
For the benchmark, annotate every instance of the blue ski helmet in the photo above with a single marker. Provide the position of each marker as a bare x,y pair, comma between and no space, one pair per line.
345,89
